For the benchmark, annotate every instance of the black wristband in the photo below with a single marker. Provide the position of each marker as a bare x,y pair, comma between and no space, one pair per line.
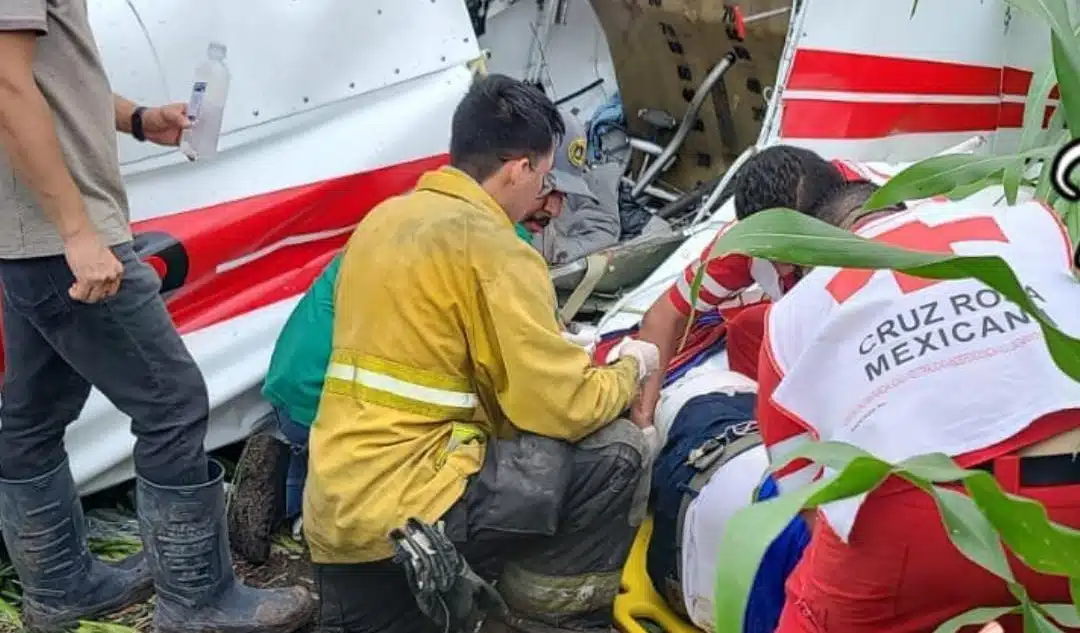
137,124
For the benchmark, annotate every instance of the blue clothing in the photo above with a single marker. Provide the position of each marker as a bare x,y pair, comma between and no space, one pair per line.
126,346
700,419
296,435
607,117
767,593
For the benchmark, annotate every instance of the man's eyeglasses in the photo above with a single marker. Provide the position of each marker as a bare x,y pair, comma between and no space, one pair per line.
548,184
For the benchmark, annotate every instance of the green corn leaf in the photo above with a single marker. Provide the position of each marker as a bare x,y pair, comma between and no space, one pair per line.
695,290
103,627
1034,109
1068,76
970,189
968,529
1021,523
114,549
1043,188
1025,529
1074,611
1063,614
975,617
942,174
10,614
750,532
1055,13
1070,217
1035,621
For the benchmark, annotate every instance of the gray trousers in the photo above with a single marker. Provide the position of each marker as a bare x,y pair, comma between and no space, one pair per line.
552,522
55,348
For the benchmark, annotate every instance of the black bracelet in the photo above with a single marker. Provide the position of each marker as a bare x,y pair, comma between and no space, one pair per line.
137,124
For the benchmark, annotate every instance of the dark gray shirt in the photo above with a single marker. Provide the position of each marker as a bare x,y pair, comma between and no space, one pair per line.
587,224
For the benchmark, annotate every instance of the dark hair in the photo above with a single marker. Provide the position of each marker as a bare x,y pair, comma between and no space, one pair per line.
502,119
783,176
841,206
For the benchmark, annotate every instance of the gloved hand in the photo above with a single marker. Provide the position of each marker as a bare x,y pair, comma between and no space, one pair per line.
446,589
652,442
646,354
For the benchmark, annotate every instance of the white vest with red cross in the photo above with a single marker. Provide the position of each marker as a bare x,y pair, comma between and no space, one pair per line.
900,366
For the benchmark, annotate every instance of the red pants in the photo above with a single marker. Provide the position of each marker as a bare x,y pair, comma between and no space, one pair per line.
901,574
745,331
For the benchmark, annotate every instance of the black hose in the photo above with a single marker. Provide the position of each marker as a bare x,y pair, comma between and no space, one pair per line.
693,198
577,93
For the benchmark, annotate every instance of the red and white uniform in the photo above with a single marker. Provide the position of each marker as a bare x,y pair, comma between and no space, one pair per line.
725,280
899,367
728,276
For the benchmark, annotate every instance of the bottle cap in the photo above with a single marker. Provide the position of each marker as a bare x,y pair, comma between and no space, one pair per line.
216,50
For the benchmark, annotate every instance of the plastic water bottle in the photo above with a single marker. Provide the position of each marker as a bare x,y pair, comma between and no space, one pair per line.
206,107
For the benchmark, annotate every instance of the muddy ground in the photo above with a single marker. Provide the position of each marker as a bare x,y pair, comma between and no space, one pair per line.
284,568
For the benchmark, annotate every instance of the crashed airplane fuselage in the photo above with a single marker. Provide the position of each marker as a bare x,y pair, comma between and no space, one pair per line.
336,105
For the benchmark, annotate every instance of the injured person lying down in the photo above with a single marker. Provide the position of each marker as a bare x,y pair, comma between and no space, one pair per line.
712,465
713,462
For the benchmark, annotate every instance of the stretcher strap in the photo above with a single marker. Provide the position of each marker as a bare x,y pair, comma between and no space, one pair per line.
595,267
709,458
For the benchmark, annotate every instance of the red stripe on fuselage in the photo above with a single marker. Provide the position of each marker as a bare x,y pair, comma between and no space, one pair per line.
215,235
840,71
827,119
855,73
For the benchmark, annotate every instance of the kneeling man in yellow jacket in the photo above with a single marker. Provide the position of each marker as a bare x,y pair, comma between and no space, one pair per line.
452,396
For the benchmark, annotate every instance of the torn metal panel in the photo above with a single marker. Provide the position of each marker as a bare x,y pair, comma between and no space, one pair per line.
663,49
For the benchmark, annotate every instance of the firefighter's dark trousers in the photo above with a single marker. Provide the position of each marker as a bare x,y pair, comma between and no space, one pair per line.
552,522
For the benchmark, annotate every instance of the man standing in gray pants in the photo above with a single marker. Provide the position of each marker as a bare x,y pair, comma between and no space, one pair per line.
80,309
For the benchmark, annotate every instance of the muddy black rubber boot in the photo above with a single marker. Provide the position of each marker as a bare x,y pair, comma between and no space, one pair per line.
187,543
257,506
45,534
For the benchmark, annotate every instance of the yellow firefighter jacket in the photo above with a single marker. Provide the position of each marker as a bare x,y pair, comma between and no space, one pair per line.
445,334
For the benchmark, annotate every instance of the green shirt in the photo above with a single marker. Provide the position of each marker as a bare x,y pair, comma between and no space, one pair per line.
523,233
294,381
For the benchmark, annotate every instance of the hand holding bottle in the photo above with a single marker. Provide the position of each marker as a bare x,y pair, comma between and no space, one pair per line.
165,125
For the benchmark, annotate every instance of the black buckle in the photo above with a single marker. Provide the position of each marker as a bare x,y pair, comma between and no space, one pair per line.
712,449
1044,470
